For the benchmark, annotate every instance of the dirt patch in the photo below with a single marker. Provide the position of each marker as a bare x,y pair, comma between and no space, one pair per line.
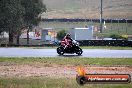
57,71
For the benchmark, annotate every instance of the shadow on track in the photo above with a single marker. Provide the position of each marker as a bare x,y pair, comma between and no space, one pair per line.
69,55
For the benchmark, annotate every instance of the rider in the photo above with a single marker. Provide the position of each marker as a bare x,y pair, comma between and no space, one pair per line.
67,41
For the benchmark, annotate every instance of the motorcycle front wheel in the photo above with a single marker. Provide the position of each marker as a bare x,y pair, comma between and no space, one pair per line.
60,50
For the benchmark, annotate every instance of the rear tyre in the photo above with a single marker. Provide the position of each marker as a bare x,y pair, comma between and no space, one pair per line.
60,50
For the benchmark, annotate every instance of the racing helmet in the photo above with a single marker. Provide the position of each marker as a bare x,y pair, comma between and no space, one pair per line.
68,35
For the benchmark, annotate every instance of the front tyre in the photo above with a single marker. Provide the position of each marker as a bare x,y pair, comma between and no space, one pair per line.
79,51
81,80
60,50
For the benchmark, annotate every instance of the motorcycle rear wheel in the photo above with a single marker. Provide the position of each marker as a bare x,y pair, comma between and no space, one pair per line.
79,51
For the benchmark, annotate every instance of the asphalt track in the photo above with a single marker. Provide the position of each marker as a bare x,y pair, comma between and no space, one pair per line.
92,53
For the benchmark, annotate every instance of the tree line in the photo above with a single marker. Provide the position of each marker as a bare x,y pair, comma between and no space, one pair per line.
16,15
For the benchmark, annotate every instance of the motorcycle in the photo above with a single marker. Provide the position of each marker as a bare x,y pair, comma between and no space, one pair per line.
71,50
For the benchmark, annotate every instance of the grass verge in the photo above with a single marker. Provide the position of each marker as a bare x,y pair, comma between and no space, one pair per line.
107,47
36,82
92,47
45,82
68,61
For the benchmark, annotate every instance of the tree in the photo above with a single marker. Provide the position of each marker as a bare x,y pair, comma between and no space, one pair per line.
115,36
11,12
61,34
2,16
15,14
33,9
124,37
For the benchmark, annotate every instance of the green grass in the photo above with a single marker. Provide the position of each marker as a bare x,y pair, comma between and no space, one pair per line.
89,47
87,9
68,61
44,82
118,28
37,82
107,47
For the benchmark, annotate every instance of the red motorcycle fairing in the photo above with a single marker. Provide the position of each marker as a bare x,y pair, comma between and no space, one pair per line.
66,43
